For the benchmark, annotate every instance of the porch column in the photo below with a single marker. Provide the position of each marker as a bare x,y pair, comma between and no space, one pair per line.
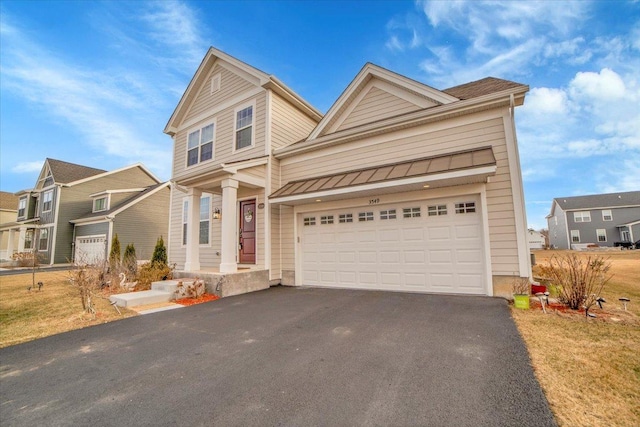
21,238
192,262
229,243
10,244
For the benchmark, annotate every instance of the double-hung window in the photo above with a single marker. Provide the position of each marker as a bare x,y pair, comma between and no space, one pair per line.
43,243
575,236
200,145
244,127
607,215
601,234
205,219
22,207
582,216
47,201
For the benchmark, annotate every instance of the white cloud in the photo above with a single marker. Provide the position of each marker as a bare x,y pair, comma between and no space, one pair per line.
394,44
28,167
547,101
605,85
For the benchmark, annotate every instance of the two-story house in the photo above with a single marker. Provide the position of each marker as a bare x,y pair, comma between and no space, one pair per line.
73,211
399,186
8,212
601,219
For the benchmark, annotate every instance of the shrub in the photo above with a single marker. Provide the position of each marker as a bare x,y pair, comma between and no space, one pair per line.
579,281
193,290
129,259
152,272
521,286
159,252
114,254
25,259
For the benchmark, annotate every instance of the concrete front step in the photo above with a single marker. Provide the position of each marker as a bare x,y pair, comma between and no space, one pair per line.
169,285
132,299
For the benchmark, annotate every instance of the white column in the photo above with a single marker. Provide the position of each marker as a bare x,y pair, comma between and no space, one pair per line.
192,262
21,236
229,240
10,244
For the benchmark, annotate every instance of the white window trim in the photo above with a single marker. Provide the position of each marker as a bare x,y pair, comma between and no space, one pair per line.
610,215
604,233
580,214
210,197
253,126
22,199
213,144
40,239
577,233
44,193
185,212
106,205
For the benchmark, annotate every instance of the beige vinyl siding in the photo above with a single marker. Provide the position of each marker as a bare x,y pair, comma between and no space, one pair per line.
76,203
259,172
143,223
224,139
287,238
288,124
377,104
420,142
231,85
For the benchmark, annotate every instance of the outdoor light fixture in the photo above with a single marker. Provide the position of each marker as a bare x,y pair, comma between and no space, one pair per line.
425,186
216,213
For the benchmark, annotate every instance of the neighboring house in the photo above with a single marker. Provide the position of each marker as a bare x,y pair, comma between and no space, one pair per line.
8,212
400,186
73,212
601,219
536,239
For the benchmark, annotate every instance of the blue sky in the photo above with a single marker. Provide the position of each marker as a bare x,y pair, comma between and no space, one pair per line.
94,82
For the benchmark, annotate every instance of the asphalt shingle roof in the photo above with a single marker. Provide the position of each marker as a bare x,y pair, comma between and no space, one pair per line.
8,201
481,87
65,172
610,200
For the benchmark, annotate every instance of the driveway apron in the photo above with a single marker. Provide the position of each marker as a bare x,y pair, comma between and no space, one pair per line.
284,356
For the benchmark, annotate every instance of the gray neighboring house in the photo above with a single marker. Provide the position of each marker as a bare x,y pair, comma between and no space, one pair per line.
73,212
602,219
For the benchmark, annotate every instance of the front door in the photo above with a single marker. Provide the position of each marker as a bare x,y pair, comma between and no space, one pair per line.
247,254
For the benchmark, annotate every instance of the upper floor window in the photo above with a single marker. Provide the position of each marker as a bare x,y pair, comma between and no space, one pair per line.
607,215
200,145
583,216
47,201
244,127
101,204
48,180
22,207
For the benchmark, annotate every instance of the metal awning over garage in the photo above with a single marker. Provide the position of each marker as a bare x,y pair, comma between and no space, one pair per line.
462,167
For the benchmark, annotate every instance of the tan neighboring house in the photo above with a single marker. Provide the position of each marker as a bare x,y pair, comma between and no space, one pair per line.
8,212
73,212
399,186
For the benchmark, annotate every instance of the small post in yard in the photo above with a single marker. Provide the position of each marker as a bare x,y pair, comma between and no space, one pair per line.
34,250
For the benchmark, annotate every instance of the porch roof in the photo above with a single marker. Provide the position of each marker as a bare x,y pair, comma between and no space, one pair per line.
455,168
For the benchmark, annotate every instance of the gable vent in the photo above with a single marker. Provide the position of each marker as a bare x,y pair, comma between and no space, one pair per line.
215,83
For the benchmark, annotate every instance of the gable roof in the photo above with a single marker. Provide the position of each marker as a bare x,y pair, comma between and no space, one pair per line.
8,201
609,200
65,172
367,73
125,204
256,76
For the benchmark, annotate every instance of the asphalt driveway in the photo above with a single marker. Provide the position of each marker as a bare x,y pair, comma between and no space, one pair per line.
284,356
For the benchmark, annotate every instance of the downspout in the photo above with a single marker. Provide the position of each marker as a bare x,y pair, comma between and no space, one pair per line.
110,239
73,245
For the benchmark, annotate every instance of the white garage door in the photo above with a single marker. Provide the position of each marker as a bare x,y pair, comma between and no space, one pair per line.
425,246
91,249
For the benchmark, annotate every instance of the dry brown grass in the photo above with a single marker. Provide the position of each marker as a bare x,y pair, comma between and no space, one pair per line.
28,315
590,369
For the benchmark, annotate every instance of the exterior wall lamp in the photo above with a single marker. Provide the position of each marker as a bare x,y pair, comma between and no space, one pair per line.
216,213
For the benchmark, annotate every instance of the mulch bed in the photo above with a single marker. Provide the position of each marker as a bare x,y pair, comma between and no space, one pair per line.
608,314
199,300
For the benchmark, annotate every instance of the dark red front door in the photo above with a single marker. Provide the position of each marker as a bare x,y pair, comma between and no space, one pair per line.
247,222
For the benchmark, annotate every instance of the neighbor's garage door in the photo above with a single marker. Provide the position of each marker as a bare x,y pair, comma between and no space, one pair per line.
425,246
91,249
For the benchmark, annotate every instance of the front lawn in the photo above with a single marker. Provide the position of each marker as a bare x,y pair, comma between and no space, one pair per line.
589,369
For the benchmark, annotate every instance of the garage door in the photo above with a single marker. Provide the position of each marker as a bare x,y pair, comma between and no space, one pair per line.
425,246
91,249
